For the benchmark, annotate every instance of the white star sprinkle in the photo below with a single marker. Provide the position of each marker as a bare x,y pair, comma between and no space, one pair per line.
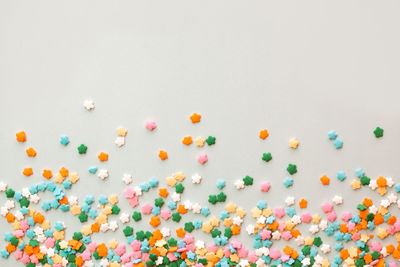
127,178
338,200
88,104
290,201
124,218
120,141
103,174
239,184
196,178
3,187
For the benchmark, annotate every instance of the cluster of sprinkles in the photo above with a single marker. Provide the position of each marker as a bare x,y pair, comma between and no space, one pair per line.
358,235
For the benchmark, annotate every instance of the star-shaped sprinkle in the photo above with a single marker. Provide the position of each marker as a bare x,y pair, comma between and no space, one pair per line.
338,200
196,178
103,174
338,143
3,186
248,180
210,140
88,104
31,152
120,141
121,131
64,140
200,141
92,170
303,203
293,143
82,149
239,184
127,178
292,168
124,218
195,118
324,180
266,157
187,140
21,136
163,155
290,201
103,156
264,134
202,158
378,132
332,135
150,125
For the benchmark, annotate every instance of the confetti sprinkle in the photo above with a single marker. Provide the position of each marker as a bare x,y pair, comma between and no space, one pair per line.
195,118
88,104
263,134
378,132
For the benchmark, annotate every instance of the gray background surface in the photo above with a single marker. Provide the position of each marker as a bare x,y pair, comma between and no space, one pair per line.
297,68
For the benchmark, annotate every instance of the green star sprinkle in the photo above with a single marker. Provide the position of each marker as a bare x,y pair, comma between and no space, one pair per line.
137,216
215,233
221,197
189,227
83,217
317,241
292,168
210,140
82,149
212,199
365,180
10,193
248,180
128,231
179,188
176,217
158,202
228,232
24,202
266,157
115,209
378,132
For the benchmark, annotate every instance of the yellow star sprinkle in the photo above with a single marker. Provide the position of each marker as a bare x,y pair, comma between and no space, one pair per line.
293,143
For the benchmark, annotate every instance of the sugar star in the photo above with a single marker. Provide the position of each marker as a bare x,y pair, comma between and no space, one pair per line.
120,141
88,104
103,174
293,143
196,178
127,178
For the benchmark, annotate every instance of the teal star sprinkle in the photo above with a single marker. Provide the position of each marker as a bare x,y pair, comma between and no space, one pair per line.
64,140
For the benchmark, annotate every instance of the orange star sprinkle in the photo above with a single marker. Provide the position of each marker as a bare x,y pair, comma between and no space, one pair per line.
195,118
163,192
303,203
64,172
21,136
235,229
325,180
187,140
163,155
27,172
381,181
47,174
264,134
155,221
180,232
31,152
103,156
181,209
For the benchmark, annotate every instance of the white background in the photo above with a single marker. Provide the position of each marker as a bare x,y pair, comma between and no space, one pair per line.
297,68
